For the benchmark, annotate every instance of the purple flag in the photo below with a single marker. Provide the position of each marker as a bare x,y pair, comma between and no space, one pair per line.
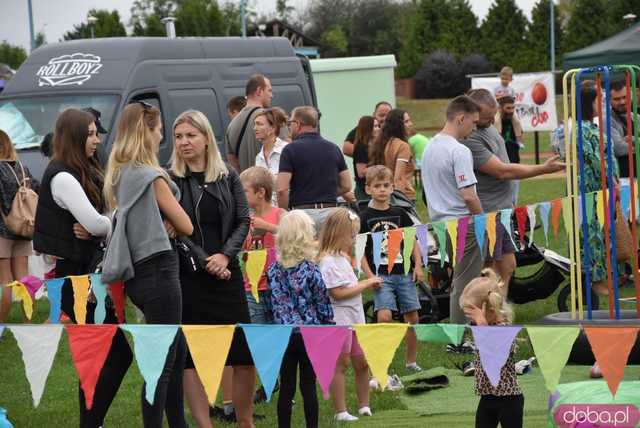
423,242
463,227
494,345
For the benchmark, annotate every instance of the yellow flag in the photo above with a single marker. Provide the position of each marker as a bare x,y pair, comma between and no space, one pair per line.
255,266
491,231
379,343
567,215
21,293
209,346
80,295
452,228
600,207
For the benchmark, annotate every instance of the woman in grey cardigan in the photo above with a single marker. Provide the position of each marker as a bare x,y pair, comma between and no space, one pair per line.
140,251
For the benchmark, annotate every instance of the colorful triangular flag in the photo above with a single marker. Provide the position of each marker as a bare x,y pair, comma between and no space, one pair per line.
33,284
324,345
463,229
479,227
422,234
441,233
531,210
361,243
491,231
545,210
80,286
505,219
440,333
376,239
379,343
494,346
394,240
407,250
600,208
21,294
521,220
625,200
116,290
452,229
567,214
552,346
54,294
556,211
256,261
99,290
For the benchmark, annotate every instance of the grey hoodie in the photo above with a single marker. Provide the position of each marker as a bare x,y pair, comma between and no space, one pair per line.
139,231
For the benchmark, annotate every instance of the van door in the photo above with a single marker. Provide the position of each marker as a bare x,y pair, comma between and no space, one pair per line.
201,99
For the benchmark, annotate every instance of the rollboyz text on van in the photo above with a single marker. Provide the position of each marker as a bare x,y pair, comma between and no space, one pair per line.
66,70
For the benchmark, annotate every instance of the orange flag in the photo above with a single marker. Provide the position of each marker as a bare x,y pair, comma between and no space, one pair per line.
611,347
80,295
556,211
491,231
394,239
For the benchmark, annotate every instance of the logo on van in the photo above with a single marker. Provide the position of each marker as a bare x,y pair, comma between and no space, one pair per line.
67,70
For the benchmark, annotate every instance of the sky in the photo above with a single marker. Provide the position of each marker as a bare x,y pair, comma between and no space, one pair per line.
55,17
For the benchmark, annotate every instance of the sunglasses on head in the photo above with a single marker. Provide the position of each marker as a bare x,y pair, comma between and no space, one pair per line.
145,105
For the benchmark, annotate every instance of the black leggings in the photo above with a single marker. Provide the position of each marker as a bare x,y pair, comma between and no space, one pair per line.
505,410
118,359
155,290
295,356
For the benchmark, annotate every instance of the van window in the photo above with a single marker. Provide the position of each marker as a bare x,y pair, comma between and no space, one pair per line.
28,120
204,100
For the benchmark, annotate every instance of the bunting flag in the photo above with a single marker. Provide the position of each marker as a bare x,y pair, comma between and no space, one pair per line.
589,202
479,227
99,290
552,347
463,228
452,229
505,219
611,347
1,330
21,294
38,345
556,211
491,231
54,294
116,290
89,345
394,239
600,207
376,239
494,346
625,200
80,296
545,209
202,339
531,210
32,283
256,261
423,241
521,220
361,243
407,250
267,344
151,344
579,208
440,333
379,343
324,345
440,229
566,214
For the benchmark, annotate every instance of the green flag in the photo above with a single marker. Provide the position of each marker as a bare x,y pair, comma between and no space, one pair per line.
440,333
409,241
440,228
552,346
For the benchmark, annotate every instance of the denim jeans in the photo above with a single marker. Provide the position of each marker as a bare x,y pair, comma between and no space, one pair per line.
155,290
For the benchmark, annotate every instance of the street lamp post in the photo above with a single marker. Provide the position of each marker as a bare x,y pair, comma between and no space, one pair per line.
243,18
31,32
552,37
92,23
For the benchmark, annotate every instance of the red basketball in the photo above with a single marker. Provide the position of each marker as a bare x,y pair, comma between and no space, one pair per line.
539,93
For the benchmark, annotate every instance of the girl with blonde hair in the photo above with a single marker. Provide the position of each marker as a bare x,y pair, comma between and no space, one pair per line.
140,250
345,292
298,297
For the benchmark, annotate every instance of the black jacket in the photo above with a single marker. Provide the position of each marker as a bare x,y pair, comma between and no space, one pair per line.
233,208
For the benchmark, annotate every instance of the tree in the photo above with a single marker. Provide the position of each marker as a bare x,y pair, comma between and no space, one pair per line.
460,33
616,9
231,19
537,39
40,39
503,32
108,24
376,27
146,16
199,18
283,10
584,28
12,55
335,41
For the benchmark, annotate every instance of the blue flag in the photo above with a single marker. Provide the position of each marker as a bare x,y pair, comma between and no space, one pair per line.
54,294
545,209
100,291
377,247
151,344
479,227
625,200
267,344
505,219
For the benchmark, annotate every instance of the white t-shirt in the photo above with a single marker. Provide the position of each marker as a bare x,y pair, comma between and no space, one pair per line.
447,167
337,272
272,164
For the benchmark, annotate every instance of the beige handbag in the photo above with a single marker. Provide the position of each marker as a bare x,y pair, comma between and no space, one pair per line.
22,216
624,241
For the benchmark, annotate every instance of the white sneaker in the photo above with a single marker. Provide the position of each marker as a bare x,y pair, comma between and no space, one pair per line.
345,417
365,411
394,383
374,385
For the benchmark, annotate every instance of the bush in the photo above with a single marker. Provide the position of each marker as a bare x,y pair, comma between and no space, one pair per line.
443,76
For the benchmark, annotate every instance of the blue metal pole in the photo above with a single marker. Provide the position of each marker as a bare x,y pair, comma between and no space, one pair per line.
31,32
243,19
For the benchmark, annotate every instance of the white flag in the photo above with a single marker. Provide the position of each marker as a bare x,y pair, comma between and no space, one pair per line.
361,243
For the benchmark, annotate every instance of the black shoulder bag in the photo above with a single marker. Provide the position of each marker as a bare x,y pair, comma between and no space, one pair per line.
243,130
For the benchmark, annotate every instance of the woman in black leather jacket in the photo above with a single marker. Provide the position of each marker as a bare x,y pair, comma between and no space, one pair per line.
213,197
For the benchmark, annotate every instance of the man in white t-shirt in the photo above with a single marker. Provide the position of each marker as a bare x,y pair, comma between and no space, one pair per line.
449,181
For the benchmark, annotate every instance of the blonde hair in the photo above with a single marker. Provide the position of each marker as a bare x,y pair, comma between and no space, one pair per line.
132,146
506,71
295,239
258,177
7,151
488,289
215,167
339,224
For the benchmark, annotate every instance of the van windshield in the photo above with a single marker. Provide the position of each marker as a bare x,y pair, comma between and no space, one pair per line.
28,120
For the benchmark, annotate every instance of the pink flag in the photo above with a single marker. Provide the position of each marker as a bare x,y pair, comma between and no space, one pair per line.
33,284
463,226
323,346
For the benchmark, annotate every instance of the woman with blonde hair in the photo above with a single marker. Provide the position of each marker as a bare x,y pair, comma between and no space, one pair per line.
14,250
214,199
140,251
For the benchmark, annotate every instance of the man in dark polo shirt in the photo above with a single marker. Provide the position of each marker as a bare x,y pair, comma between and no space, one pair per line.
313,172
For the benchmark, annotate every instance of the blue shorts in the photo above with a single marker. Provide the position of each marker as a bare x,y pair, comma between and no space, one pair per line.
259,311
397,290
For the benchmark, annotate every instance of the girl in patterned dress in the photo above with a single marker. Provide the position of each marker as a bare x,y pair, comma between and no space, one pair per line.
484,303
